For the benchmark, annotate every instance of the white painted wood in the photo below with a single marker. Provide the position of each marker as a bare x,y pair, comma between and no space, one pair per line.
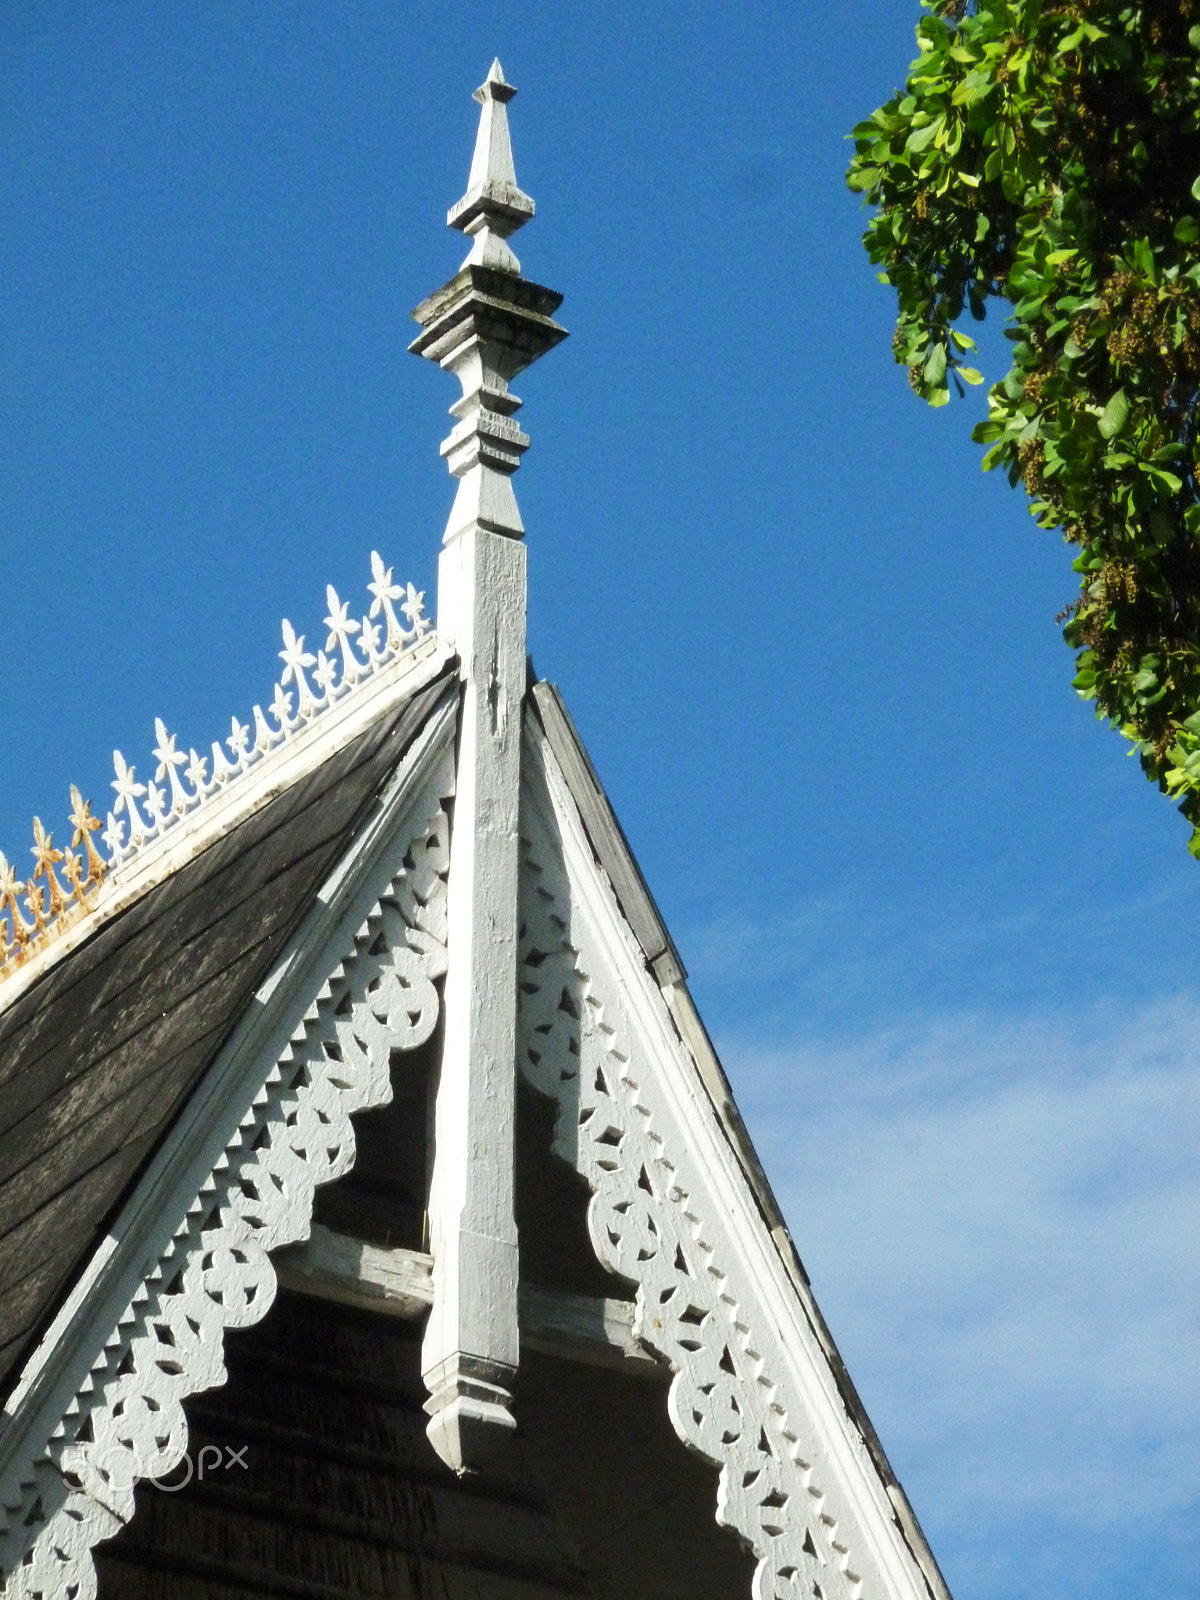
399,1283
224,808
492,179
607,836
695,1038
674,1214
335,1266
100,1403
484,327
580,1327
471,1344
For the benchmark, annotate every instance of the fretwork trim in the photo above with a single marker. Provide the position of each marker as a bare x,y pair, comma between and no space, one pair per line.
100,1404
673,1214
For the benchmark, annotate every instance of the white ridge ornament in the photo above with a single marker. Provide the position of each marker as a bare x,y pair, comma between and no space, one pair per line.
292,707
143,813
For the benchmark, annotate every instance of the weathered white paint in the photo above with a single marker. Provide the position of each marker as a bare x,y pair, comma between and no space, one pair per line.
581,1327
673,1213
492,179
235,1178
352,1272
471,1343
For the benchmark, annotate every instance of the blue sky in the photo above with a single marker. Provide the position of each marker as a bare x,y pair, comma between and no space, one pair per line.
944,933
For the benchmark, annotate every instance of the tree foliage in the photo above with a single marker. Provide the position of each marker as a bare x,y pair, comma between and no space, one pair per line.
1048,155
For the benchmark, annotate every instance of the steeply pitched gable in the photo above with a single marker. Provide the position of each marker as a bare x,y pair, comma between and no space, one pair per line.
412,859
97,1057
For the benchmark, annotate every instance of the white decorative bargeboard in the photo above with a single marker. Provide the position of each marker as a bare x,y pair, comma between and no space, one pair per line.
373,996
752,1391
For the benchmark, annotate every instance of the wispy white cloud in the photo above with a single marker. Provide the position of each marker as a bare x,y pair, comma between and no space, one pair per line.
863,957
1001,1218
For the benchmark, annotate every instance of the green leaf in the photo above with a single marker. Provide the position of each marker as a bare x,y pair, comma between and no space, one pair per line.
863,177
923,137
1173,483
970,375
1162,529
1112,418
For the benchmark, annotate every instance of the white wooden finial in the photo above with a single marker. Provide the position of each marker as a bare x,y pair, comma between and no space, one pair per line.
485,325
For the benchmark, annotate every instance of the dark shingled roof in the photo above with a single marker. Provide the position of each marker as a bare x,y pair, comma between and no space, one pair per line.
98,1056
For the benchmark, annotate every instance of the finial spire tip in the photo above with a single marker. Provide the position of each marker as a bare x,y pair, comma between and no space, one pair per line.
495,86
493,206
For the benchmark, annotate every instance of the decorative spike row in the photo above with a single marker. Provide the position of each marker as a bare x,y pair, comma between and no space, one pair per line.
34,909
43,894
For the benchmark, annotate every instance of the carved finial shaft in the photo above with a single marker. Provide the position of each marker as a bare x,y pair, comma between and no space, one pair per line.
486,325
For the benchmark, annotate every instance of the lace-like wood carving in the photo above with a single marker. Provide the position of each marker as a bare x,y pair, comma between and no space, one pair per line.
128,1422
775,1489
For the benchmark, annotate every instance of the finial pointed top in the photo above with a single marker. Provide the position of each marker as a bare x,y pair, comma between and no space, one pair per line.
495,86
493,206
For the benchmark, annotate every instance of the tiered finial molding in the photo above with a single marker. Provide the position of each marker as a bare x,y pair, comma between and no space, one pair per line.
63,885
486,325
